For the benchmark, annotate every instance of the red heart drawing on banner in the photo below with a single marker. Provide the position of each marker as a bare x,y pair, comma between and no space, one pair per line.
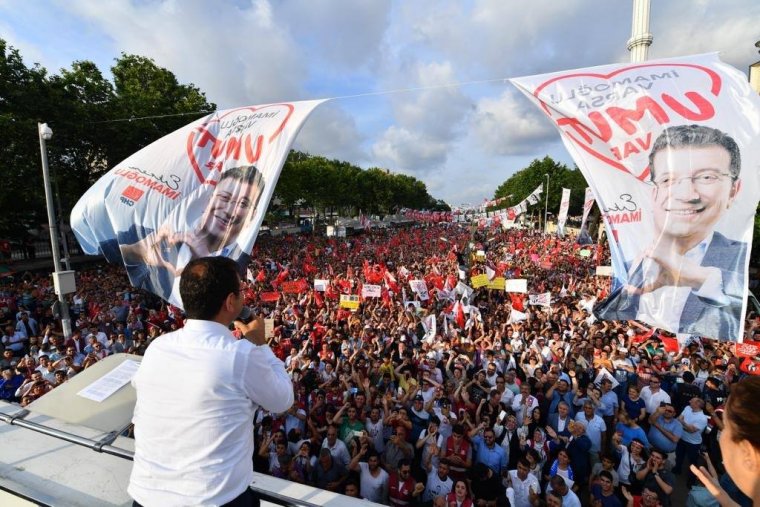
203,134
658,106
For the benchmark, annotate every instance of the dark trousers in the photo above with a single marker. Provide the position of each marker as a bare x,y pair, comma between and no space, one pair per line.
247,498
685,450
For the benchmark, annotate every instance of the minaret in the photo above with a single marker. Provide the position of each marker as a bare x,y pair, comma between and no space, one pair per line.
640,39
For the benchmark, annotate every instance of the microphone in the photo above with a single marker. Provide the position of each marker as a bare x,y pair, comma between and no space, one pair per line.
245,314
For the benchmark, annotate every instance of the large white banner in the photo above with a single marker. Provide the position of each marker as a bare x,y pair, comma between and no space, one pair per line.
564,205
588,202
201,190
670,149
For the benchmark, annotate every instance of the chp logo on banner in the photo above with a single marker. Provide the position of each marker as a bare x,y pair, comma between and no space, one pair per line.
206,188
544,299
669,148
371,291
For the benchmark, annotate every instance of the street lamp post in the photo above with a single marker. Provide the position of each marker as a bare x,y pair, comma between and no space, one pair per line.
62,280
546,204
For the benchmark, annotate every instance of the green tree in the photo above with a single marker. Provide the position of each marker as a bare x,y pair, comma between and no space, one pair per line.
85,112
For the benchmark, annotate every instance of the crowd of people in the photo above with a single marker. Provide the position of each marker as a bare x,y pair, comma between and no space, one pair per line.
453,395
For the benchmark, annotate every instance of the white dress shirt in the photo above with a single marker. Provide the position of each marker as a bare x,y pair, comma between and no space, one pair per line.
197,390
652,400
522,488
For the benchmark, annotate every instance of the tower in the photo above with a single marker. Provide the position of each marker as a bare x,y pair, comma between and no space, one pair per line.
640,39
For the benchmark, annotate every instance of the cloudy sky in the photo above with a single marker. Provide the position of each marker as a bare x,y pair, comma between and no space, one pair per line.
421,82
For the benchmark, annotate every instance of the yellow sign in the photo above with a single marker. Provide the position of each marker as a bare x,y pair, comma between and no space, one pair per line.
479,281
350,301
497,283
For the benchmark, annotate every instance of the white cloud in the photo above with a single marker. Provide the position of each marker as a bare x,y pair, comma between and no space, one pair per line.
331,131
409,151
511,125
429,122
342,34
236,55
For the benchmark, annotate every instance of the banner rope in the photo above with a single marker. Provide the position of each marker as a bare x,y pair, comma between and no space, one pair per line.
354,96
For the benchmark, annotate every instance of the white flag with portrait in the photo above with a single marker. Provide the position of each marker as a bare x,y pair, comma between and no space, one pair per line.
200,191
670,149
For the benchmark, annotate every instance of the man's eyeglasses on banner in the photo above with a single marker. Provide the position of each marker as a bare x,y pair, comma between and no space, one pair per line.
703,179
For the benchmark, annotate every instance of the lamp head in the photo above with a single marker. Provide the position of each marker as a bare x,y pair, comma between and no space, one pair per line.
46,132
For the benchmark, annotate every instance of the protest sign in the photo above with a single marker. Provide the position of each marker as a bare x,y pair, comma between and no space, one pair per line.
478,281
604,271
201,190
497,283
349,301
419,287
371,291
605,374
543,299
321,285
516,285
669,149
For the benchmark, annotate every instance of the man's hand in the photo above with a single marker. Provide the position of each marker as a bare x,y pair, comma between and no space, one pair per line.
670,269
253,331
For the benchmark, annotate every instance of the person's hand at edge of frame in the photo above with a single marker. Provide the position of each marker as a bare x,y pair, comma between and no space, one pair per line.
253,331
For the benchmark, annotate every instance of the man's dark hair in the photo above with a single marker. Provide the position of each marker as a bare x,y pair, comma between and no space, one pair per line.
246,174
205,284
606,475
557,482
682,136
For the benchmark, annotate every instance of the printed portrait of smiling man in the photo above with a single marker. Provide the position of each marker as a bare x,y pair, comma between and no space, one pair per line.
690,279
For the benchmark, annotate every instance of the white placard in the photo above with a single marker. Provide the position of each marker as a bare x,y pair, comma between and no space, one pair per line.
516,285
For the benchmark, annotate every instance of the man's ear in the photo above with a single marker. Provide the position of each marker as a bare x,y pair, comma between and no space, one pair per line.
735,188
750,457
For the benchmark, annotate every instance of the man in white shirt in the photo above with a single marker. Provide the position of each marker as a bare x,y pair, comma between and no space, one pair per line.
197,391
521,483
694,422
337,448
373,479
524,403
596,430
569,498
653,396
